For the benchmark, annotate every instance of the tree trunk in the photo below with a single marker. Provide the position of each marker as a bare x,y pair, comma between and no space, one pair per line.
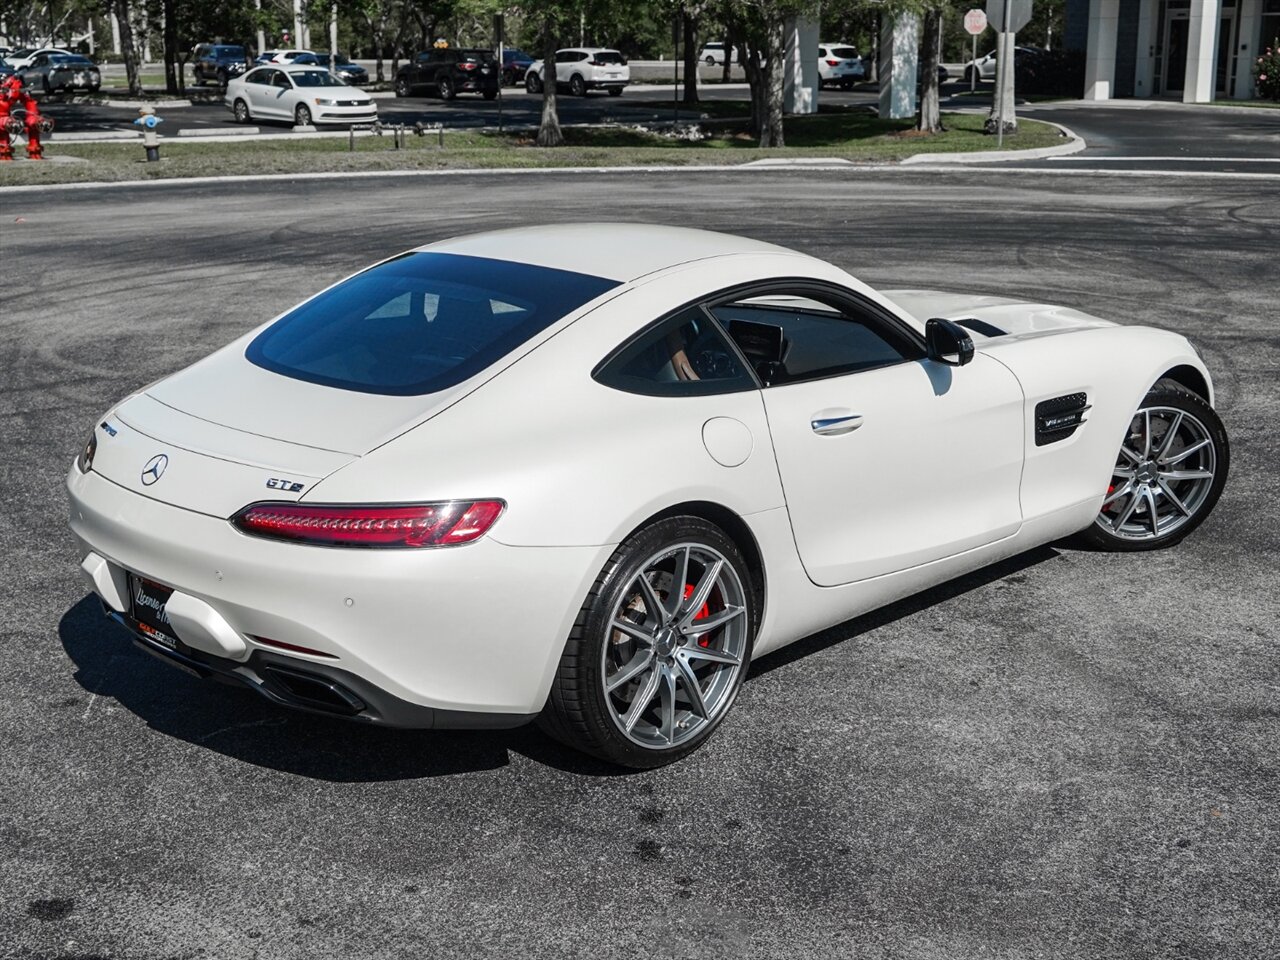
127,48
690,57
1002,109
771,132
549,132
930,120
750,61
728,57
172,65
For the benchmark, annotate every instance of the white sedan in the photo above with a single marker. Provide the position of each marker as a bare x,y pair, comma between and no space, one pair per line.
302,95
518,475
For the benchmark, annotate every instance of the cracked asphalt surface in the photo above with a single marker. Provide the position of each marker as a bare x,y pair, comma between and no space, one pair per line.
1068,755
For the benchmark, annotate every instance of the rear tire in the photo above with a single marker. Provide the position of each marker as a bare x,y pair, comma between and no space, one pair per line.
491,94
241,110
615,91
653,692
446,88
1169,473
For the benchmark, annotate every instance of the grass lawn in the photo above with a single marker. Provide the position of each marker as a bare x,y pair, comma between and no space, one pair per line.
850,136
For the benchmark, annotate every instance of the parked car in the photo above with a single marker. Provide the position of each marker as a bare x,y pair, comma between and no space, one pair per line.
218,62
733,446
24,56
713,53
297,94
579,69
515,64
56,71
840,64
280,56
343,67
985,66
449,71
5,69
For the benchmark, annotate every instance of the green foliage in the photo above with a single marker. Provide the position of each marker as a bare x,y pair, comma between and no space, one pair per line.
1266,72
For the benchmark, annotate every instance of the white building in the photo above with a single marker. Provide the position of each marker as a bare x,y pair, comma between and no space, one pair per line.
1193,50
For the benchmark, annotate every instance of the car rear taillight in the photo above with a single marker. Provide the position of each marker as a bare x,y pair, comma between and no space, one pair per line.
468,66
347,525
833,63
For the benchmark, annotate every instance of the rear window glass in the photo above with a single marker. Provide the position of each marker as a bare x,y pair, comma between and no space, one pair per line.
608,56
844,53
419,323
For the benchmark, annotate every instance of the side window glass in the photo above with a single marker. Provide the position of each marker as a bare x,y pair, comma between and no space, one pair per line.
792,337
685,356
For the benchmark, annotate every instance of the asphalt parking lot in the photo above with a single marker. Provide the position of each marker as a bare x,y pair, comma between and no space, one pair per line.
1068,755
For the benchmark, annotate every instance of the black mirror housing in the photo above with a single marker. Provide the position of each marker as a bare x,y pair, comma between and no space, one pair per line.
948,342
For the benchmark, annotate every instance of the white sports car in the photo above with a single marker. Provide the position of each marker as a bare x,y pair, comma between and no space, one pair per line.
517,475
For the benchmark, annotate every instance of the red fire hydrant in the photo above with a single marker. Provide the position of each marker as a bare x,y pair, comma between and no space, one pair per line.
19,115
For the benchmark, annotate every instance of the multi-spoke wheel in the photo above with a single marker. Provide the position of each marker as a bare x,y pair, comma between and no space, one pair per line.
660,648
1168,475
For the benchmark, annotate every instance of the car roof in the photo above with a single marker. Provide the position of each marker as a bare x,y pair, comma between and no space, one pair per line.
615,251
587,50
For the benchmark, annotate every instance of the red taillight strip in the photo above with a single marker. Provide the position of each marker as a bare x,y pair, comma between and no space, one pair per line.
267,641
441,524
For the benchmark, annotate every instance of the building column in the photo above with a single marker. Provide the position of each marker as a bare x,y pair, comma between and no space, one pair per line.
800,66
1252,43
1202,51
1100,56
899,55
1144,68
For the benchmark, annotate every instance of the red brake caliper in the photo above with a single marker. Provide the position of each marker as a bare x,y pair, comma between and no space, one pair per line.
702,614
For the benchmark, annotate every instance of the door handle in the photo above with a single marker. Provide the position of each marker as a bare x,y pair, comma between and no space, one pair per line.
836,426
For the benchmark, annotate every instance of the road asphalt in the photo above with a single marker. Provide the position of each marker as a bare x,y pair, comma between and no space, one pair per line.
1068,755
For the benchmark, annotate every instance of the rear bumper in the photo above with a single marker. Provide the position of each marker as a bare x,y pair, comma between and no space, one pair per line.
318,688
475,629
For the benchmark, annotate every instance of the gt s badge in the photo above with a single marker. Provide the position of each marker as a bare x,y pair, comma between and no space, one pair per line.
288,486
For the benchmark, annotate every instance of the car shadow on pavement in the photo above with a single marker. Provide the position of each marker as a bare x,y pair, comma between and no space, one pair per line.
906,607
238,723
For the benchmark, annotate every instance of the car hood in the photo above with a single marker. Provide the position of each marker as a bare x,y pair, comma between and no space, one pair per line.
1010,318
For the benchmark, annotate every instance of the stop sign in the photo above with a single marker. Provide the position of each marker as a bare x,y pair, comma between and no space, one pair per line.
975,21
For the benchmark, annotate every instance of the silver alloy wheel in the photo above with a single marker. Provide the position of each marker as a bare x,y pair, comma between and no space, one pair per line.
1162,476
242,112
671,662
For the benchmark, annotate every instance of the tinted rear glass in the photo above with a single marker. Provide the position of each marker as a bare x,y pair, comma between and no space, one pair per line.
420,323
607,56
844,53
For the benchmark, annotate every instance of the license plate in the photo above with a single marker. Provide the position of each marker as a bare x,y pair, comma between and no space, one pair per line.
147,603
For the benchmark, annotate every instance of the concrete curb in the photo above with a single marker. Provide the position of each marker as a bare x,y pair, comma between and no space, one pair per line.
1075,145
1149,105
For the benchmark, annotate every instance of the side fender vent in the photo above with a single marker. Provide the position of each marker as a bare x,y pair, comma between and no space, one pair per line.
1060,417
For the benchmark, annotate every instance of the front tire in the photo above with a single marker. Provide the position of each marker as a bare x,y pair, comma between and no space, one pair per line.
577,86
1169,473
302,115
402,87
659,649
447,91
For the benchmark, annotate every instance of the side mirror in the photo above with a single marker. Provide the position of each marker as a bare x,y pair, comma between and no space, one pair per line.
948,342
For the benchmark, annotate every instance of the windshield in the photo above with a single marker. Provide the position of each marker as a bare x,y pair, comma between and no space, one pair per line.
315,78
68,58
419,323
237,52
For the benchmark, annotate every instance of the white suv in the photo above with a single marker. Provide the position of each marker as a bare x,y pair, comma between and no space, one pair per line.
582,69
840,64
713,53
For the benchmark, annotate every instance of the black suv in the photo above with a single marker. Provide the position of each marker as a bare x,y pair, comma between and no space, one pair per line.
218,61
450,72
